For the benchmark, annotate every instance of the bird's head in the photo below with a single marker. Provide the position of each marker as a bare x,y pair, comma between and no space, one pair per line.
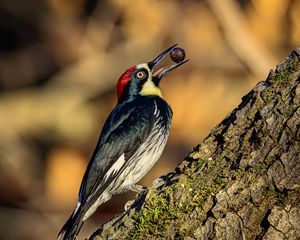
143,79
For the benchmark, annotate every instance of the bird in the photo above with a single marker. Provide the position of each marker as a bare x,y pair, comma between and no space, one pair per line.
131,141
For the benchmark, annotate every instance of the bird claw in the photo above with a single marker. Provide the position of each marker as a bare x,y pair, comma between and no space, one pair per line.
140,198
141,190
158,183
137,188
128,205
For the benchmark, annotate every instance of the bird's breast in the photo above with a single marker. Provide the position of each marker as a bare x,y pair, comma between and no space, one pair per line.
149,151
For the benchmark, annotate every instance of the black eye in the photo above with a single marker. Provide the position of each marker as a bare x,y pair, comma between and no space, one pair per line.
140,74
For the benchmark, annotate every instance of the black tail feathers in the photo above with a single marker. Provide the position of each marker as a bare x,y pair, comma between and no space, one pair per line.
71,228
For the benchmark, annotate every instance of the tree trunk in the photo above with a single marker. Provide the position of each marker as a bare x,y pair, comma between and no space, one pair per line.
241,182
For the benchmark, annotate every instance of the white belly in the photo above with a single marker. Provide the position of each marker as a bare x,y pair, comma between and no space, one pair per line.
144,164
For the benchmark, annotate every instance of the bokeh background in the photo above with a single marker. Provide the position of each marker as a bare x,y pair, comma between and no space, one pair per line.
59,63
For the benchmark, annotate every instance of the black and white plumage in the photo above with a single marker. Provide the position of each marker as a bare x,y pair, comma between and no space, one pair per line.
132,140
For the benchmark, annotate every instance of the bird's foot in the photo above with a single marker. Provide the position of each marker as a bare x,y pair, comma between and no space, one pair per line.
140,198
158,182
137,188
128,205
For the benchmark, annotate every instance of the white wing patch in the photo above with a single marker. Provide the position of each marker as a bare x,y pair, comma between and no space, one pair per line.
115,167
77,207
155,110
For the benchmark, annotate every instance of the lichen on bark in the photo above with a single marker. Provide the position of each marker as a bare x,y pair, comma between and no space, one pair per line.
241,182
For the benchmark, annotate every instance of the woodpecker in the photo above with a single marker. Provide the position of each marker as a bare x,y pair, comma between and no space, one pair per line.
132,140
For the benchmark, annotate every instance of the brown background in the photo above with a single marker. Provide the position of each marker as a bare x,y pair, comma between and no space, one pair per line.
60,60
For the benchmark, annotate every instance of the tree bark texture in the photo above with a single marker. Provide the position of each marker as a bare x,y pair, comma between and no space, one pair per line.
241,182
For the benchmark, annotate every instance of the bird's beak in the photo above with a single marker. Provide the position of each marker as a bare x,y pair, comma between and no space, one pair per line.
158,74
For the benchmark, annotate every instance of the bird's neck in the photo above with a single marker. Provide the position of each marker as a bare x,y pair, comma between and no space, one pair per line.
133,90
149,88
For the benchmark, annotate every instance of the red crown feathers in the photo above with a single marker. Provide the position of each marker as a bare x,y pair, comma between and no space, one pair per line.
123,80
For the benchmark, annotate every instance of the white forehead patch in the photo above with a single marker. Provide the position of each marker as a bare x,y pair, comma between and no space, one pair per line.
143,65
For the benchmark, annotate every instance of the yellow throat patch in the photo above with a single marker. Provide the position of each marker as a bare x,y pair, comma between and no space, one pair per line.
149,88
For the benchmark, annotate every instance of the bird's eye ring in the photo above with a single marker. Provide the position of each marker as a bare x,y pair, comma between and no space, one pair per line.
140,74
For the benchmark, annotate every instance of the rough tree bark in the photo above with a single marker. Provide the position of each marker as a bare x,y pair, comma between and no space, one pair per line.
241,182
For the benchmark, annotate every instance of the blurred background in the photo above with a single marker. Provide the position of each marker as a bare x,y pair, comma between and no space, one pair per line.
59,63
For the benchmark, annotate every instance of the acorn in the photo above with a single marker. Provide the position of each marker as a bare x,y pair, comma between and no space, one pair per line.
177,55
